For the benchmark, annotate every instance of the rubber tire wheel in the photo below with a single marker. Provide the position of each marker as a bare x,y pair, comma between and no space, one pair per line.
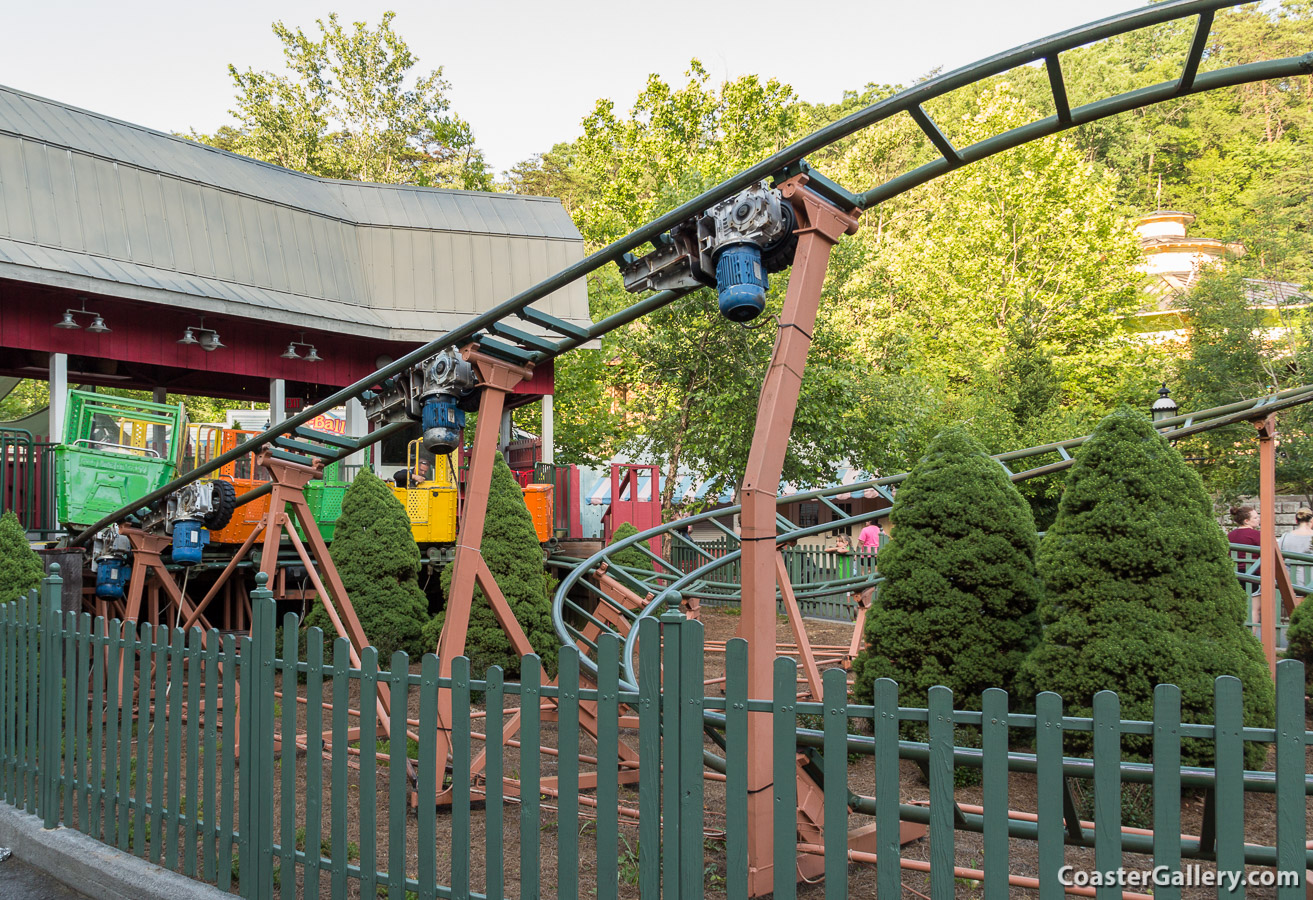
225,503
779,256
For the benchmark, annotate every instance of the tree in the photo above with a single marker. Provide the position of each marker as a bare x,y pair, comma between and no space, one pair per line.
26,397
1299,637
378,561
511,550
1140,591
350,110
958,604
998,292
680,386
20,568
1234,352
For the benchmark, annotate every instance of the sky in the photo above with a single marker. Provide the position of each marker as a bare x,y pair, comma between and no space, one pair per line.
523,74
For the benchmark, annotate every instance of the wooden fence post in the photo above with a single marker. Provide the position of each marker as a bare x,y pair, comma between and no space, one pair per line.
672,702
51,694
257,803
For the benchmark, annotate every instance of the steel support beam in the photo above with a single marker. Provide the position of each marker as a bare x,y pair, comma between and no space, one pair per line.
498,379
1269,560
819,229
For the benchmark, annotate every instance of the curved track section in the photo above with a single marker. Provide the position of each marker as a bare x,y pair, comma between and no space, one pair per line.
500,332
621,596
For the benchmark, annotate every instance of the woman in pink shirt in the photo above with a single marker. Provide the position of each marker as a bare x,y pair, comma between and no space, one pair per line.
869,538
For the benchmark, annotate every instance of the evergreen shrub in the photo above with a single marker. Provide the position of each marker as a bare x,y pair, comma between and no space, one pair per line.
378,561
958,604
631,557
1299,638
1140,591
20,567
515,558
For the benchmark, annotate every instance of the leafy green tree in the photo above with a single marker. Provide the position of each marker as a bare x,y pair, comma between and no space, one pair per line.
1140,591
1234,352
378,561
20,568
681,385
995,297
958,605
350,110
26,397
514,556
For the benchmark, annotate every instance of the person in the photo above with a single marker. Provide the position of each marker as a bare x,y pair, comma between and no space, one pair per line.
413,477
843,556
869,537
1247,520
1299,540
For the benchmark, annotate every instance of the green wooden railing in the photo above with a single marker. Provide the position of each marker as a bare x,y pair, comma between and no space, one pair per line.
823,580
128,734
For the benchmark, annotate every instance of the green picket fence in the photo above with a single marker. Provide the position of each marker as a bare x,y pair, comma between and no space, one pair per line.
129,734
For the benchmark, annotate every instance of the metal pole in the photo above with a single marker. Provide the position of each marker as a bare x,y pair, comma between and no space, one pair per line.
820,228
1269,559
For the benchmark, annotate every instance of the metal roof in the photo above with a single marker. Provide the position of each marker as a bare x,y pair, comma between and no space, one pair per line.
108,207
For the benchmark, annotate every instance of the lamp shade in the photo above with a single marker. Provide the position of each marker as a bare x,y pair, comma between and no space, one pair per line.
188,338
290,352
68,321
98,326
313,355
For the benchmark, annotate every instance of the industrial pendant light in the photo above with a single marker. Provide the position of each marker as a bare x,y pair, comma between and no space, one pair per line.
311,355
69,320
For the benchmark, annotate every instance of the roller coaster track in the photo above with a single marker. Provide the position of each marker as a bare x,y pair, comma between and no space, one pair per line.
500,332
665,586
517,334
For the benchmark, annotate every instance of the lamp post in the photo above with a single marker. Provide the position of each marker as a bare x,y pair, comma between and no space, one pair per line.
1164,407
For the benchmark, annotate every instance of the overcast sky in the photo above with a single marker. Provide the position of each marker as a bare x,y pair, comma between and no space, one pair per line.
523,74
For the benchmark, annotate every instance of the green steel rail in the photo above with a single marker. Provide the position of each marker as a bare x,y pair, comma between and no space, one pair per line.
497,337
666,584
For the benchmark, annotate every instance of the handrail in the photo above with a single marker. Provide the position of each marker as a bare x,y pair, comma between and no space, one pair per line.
127,447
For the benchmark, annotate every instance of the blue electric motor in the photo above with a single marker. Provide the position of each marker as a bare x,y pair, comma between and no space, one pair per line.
189,539
741,282
442,420
112,576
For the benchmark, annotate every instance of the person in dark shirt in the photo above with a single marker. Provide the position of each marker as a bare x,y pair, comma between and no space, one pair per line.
1246,518
412,478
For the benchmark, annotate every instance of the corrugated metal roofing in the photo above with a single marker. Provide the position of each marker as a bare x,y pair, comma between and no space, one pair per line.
127,211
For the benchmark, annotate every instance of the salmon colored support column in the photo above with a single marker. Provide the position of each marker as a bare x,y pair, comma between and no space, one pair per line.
497,379
1269,559
820,226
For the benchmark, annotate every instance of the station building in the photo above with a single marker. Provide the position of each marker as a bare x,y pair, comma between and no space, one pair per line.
137,259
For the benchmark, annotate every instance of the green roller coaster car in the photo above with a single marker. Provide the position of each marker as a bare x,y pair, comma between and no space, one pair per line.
114,451
324,497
